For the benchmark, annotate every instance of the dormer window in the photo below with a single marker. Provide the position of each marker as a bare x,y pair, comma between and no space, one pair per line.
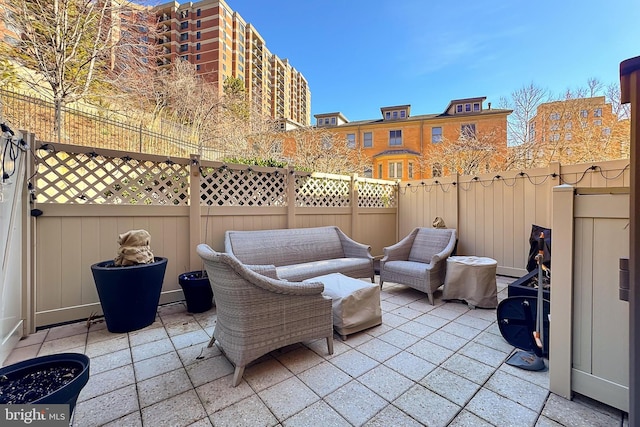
459,108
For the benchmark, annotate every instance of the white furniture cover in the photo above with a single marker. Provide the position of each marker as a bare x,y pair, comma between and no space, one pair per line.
356,303
472,279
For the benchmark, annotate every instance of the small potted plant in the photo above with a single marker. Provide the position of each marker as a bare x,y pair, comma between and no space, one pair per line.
129,286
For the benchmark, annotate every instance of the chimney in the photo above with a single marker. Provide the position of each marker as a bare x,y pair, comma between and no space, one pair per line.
489,105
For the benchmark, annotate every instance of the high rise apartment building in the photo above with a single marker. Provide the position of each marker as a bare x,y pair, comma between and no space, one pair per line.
218,41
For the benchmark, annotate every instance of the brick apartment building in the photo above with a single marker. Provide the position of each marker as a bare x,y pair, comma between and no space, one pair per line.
576,131
406,147
222,44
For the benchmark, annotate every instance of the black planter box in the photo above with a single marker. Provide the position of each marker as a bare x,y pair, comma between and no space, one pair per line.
68,393
129,295
520,288
197,291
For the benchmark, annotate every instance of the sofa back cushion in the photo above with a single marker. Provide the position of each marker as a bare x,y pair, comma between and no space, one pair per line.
284,246
428,242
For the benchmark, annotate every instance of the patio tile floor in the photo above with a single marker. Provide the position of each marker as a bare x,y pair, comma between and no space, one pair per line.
425,365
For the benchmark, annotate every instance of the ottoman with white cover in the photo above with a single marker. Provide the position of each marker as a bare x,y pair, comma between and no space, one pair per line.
356,303
472,279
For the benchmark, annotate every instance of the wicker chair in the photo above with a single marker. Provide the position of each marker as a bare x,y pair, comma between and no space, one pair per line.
419,260
257,313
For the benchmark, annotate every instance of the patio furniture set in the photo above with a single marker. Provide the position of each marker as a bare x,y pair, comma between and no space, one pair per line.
274,288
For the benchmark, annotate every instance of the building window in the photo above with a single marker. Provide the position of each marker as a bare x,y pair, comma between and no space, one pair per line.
367,139
597,112
333,120
380,171
584,113
395,137
185,57
436,170
597,122
436,134
567,136
387,115
198,35
468,130
395,170
198,67
198,23
241,68
467,108
606,131
198,57
198,12
410,171
184,37
403,114
555,137
184,25
326,121
554,126
554,116
197,46
395,114
476,106
351,140
184,47
367,172
184,14
568,125
459,108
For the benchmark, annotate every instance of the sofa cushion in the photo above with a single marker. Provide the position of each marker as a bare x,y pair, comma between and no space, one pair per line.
428,242
285,246
298,272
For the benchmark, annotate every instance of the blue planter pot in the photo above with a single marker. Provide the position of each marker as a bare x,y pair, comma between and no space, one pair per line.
129,295
66,394
197,291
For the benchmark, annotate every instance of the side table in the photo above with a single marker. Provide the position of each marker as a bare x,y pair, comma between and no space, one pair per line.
472,279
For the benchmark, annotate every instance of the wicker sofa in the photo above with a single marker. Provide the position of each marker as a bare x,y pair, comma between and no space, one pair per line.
302,253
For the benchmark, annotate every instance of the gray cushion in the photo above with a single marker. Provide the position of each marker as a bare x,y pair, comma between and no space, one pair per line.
428,242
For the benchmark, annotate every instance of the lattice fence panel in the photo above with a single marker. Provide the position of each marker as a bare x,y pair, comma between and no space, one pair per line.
229,187
322,192
91,178
376,195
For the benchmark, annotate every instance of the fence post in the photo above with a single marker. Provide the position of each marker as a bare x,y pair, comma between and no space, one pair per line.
291,197
354,207
29,238
195,221
140,138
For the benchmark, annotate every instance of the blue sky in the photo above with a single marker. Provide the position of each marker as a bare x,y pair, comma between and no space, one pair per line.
360,55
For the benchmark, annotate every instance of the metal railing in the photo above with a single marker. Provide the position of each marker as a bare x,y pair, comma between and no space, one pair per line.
101,128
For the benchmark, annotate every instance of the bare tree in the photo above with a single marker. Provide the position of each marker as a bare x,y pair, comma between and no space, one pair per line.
319,149
524,103
66,42
469,154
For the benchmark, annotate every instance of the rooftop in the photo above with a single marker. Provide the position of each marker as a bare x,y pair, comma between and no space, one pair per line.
425,365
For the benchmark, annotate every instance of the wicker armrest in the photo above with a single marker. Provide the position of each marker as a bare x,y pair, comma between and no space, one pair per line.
353,249
264,270
263,282
401,250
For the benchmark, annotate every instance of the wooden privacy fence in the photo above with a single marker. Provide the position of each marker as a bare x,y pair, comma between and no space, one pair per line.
493,213
88,196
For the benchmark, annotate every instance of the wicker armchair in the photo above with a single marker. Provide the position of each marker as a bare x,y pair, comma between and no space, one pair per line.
419,260
257,313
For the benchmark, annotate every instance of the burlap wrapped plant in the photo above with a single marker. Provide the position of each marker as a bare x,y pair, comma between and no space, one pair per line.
134,248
